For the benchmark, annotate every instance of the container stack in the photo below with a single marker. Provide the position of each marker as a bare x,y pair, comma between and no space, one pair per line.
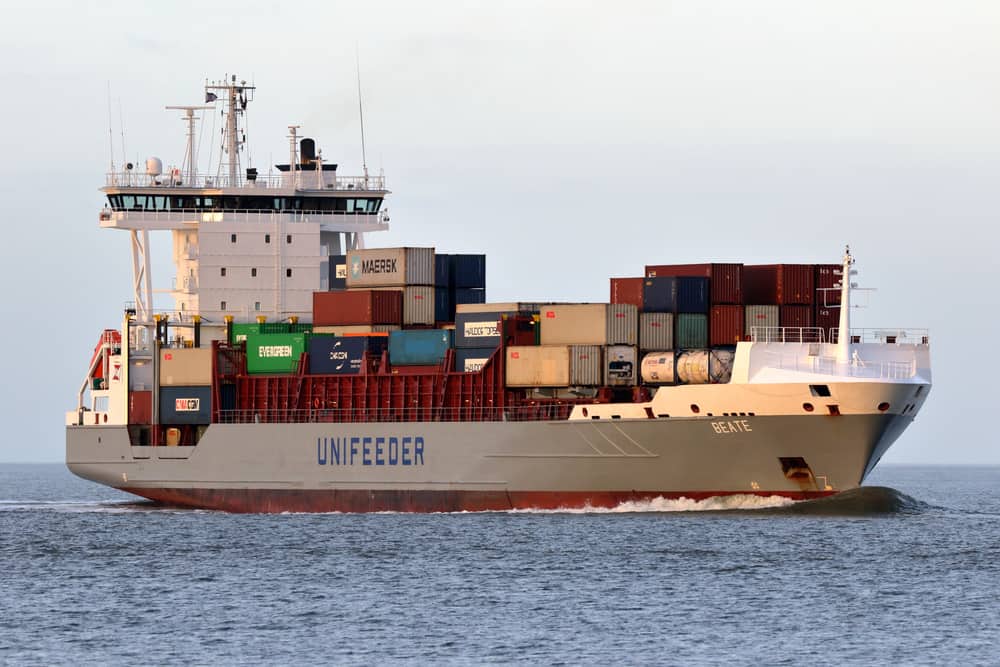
779,295
185,387
479,331
458,280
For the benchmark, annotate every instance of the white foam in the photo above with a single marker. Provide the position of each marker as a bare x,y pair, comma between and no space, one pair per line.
742,501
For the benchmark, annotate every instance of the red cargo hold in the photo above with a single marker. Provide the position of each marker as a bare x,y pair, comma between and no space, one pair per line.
725,325
357,307
827,277
726,280
627,290
795,316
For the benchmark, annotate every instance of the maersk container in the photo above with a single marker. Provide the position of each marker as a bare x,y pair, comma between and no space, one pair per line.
725,325
274,353
585,368
656,331
338,272
659,295
760,317
390,267
692,295
827,285
538,366
185,366
620,365
574,324
726,280
185,405
627,290
478,329
335,355
659,368
472,359
418,347
795,316
468,271
623,324
353,307
691,331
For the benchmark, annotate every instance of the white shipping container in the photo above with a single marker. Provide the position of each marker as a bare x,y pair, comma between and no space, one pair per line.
620,363
574,324
190,367
623,324
656,331
761,317
538,366
659,368
585,367
390,267
418,303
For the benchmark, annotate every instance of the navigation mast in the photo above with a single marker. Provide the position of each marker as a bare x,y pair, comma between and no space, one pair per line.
189,159
235,96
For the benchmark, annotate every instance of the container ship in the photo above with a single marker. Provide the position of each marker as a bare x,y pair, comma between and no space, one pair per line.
299,370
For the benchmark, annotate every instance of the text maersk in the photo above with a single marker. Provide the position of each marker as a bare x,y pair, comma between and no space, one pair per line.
378,266
366,450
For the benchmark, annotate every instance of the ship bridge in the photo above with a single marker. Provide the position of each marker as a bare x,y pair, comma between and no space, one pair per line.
245,244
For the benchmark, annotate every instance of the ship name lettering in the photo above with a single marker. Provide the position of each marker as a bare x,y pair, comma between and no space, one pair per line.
735,426
367,450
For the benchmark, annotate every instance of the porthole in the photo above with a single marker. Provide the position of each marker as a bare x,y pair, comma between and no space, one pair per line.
695,409
808,407
585,412
883,406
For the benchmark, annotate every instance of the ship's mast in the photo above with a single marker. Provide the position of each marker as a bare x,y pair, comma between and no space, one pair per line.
844,329
235,96
189,160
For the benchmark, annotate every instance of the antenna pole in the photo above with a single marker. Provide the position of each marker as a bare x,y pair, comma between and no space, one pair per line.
111,141
844,330
190,162
361,114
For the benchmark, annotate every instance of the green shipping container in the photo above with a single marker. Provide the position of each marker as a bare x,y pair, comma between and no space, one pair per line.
239,332
274,353
692,331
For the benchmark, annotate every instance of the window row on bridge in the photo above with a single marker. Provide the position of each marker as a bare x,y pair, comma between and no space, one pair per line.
124,202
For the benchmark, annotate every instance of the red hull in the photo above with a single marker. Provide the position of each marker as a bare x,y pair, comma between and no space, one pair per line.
279,500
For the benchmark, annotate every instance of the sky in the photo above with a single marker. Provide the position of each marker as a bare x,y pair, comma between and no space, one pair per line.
569,142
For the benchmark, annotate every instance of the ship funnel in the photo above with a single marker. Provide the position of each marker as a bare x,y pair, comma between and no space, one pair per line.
307,151
154,166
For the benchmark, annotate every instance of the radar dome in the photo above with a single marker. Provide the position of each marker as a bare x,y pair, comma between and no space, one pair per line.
154,166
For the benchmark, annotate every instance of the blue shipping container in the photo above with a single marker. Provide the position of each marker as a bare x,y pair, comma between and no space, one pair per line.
444,306
418,347
471,359
185,405
659,295
468,295
336,355
338,272
442,271
692,295
468,271
478,329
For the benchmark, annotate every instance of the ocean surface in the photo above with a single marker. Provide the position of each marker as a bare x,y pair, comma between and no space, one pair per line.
906,571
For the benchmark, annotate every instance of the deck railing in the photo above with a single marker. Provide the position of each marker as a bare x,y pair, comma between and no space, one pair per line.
859,368
550,412
307,181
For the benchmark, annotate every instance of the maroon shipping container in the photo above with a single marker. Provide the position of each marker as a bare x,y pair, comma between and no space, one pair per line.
827,276
140,407
627,290
826,319
760,284
357,307
784,284
795,316
725,326
725,280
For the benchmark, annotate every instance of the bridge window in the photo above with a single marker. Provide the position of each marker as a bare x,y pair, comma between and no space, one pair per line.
256,305
222,305
232,238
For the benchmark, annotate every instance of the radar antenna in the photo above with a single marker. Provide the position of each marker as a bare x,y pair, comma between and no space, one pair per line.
235,97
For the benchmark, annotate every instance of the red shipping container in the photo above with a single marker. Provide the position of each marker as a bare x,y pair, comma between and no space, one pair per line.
827,277
826,319
795,316
760,284
140,407
725,326
354,307
725,280
627,290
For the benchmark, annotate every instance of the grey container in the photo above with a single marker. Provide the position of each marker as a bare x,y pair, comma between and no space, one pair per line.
621,364
390,267
656,331
585,368
623,324
418,305
761,317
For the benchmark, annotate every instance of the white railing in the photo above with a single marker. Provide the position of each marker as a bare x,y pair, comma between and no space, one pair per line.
859,368
786,334
136,179
886,336
110,218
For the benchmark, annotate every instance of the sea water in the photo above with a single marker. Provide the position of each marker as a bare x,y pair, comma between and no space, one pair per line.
904,571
